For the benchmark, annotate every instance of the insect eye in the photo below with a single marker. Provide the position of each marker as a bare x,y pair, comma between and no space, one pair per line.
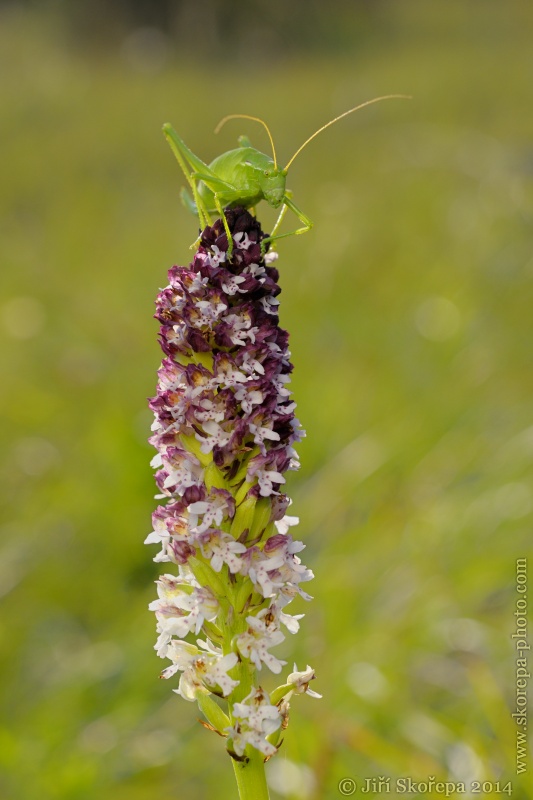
267,173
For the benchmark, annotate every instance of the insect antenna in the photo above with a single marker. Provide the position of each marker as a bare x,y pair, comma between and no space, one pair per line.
350,111
255,119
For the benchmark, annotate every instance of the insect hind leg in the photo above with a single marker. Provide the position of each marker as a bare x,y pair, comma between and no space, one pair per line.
188,202
186,157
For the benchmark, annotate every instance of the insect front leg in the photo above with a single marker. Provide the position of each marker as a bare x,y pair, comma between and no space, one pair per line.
226,197
282,213
203,213
272,236
287,203
198,211
225,223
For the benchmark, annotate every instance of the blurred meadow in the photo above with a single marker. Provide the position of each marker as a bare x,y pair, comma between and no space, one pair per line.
409,307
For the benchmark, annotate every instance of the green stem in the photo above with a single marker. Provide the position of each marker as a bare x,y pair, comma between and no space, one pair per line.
250,777
249,773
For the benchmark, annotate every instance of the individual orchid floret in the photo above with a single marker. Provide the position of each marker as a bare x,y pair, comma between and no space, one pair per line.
291,571
262,433
216,436
220,504
262,571
283,526
273,616
182,469
276,568
267,479
220,548
201,672
181,609
301,680
256,640
169,526
255,719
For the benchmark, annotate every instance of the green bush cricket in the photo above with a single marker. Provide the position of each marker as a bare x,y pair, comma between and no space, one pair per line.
243,177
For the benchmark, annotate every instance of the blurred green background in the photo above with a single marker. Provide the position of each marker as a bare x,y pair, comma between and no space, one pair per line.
409,307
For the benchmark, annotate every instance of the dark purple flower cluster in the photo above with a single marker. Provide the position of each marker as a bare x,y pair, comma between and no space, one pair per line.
224,419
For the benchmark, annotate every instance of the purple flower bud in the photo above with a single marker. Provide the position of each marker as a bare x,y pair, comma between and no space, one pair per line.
180,552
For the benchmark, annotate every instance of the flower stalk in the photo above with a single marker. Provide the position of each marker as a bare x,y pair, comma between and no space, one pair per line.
225,432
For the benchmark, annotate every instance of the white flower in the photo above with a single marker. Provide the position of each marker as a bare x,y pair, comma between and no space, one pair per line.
221,548
294,572
266,479
159,535
255,718
291,571
270,304
260,434
271,257
242,329
198,283
180,611
276,569
208,409
202,672
156,461
215,672
301,680
227,373
283,526
166,528
231,285
273,616
241,736
250,365
216,256
257,712
256,640
217,436
181,654
225,418
182,473
278,382
262,569
176,336
248,399
242,240
212,511
288,592
208,313
256,270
